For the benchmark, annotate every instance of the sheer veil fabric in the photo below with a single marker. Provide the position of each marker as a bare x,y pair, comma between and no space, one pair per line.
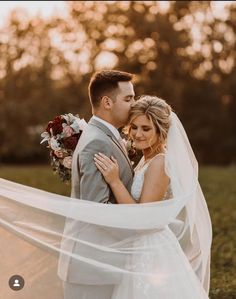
37,218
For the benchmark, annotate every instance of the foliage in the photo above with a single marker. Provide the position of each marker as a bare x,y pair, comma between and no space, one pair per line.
45,66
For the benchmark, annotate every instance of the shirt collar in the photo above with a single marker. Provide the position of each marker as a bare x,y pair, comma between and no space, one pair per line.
108,125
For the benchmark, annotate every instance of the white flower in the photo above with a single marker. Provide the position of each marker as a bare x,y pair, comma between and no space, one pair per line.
67,162
45,136
54,144
66,117
82,124
78,124
69,118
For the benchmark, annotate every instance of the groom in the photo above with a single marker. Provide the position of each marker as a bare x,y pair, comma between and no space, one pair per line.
111,95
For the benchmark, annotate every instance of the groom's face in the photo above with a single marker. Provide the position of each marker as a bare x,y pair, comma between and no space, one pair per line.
122,104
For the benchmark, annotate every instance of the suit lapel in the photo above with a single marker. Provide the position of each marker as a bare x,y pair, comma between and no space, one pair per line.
124,153
106,130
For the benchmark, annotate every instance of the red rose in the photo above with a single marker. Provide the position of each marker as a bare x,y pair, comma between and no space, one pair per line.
57,120
49,126
57,128
70,142
55,125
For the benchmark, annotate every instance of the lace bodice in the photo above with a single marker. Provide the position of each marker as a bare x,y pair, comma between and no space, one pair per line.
138,180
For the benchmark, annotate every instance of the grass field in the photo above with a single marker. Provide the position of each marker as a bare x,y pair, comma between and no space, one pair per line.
219,187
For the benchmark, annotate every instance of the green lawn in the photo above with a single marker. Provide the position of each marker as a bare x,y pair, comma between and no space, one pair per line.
40,177
219,187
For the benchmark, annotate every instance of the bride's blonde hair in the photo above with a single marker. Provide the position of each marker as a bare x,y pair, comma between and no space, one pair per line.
156,110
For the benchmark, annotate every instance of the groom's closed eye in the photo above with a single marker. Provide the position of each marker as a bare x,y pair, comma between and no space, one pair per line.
129,98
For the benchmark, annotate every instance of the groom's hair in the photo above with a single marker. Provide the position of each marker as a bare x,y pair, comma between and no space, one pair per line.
105,83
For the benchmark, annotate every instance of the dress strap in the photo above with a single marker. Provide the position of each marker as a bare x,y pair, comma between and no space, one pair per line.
145,164
160,154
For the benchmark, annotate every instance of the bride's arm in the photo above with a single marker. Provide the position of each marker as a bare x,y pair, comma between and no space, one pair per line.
155,182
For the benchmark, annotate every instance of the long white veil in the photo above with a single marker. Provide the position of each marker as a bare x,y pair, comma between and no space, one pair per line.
35,220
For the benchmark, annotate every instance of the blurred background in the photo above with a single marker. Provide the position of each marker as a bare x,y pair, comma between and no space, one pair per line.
182,51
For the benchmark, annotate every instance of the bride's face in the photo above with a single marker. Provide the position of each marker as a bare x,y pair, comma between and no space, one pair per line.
143,133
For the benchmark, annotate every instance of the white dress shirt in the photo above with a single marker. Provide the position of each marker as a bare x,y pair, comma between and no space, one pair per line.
109,126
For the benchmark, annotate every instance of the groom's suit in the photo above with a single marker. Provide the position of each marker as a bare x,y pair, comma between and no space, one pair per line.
80,279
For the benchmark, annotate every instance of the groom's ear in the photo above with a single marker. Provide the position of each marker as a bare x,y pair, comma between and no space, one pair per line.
106,102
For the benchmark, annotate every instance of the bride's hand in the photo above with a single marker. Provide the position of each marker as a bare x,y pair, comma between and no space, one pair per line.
108,167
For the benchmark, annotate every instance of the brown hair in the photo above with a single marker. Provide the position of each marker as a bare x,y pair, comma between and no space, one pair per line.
157,110
105,82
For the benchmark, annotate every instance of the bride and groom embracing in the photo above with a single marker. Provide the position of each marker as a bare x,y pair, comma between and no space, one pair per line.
159,257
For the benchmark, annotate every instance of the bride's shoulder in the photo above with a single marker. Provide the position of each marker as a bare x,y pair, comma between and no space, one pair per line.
157,164
157,159
155,175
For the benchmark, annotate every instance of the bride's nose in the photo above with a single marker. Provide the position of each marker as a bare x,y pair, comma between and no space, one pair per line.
138,133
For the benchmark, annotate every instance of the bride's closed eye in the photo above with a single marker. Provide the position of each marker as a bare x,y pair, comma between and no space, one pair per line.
133,127
146,129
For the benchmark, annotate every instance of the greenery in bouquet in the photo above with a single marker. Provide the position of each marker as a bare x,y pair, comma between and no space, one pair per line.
62,135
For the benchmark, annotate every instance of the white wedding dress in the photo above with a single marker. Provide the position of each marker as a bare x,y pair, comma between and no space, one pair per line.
172,277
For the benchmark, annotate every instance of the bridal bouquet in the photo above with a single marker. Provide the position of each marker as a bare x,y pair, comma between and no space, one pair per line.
62,135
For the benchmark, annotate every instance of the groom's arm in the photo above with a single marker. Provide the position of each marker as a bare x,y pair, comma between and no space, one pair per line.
92,185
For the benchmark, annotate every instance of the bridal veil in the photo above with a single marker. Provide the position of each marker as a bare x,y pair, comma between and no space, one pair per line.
37,218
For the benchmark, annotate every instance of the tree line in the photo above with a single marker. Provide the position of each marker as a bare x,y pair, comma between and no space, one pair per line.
186,55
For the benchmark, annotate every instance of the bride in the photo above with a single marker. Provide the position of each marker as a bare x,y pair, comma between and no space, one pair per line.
171,276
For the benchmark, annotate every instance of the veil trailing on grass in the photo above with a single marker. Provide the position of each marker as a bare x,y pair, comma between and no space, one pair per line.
37,218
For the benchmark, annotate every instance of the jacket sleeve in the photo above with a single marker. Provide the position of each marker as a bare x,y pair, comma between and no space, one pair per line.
92,185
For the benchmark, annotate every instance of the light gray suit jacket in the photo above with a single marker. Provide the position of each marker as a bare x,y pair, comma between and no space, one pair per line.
88,184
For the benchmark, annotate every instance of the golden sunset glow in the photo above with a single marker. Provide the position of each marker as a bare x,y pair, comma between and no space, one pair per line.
43,8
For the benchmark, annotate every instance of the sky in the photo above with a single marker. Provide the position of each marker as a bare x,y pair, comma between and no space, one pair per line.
44,8
47,8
